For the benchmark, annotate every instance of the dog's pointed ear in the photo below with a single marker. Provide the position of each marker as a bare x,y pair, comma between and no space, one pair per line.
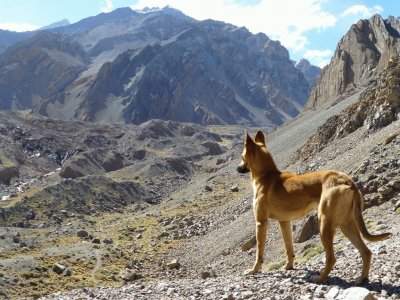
248,140
259,138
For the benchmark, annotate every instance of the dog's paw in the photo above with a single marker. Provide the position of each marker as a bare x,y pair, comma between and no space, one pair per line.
361,280
317,279
289,267
250,272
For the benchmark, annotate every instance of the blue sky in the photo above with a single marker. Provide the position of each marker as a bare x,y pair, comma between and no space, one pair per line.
307,28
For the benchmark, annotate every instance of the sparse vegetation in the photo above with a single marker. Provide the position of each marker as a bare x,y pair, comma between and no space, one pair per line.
310,250
274,265
5,162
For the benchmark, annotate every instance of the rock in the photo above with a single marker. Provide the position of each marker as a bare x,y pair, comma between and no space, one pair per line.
108,241
396,206
234,189
112,162
205,275
7,173
129,275
357,293
246,295
61,269
173,264
397,268
226,252
385,190
82,233
250,243
96,241
395,184
381,227
208,188
332,293
308,228
15,239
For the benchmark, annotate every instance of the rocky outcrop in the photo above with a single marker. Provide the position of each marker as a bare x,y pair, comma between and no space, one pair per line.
310,71
379,105
360,55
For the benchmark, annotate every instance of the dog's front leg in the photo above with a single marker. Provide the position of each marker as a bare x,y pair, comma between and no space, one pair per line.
261,235
286,229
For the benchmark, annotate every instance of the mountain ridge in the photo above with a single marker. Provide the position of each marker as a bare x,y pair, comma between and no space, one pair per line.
228,90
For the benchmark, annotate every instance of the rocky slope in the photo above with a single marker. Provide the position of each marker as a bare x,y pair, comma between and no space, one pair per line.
360,55
132,67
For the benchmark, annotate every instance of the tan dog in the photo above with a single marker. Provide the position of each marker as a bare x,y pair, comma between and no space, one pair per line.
286,196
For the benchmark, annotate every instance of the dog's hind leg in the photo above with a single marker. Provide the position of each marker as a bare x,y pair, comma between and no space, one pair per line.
261,236
350,230
286,228
327,233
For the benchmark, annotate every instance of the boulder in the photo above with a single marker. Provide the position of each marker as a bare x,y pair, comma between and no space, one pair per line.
113,161
82,233
357,293
234,189
309,228
61,269
129,275
173,264
8,169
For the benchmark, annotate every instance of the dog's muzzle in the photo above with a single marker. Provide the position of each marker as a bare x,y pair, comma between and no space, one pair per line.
242,168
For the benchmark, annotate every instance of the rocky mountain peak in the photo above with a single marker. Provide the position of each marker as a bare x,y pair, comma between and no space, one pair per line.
360,55
310,71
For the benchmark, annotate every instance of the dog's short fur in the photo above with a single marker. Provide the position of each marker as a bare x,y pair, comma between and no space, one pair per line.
286,196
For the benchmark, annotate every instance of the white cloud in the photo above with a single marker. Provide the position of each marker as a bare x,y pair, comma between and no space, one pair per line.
319,58
108,6
283,20
19,27
362,11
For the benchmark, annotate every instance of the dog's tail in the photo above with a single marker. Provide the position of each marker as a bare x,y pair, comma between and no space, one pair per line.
358,207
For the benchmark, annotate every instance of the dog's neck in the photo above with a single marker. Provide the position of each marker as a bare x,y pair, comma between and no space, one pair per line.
267,167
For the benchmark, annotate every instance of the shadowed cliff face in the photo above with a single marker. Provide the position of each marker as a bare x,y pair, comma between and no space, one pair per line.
360,55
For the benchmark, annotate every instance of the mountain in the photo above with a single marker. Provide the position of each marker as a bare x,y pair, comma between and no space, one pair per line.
133,67
360,55
8,38
61,23
310,71
38,68
207,75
